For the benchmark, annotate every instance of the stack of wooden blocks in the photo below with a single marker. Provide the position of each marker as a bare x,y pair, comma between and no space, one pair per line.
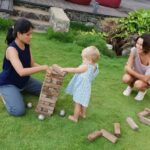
50,91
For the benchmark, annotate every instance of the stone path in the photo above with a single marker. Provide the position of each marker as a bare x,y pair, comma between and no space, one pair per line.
125,7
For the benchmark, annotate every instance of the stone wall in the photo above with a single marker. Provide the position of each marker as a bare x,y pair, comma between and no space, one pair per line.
4,15
86,18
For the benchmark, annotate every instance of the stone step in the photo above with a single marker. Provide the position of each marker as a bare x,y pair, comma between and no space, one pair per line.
39,25
36,13
34,3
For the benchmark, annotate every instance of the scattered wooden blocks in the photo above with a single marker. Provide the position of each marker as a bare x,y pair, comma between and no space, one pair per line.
142,116
131,123
109,136
50,91
92,136
117,131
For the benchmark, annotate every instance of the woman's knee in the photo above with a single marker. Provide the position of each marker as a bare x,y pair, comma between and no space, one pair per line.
13,100
140,85
127,79
16,110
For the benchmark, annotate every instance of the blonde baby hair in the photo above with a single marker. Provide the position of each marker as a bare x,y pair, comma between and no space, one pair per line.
91,53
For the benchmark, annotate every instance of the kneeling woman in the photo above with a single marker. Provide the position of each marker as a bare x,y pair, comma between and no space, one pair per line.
18,65
137,69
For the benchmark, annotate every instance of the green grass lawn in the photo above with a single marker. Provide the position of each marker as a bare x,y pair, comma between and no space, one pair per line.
107,106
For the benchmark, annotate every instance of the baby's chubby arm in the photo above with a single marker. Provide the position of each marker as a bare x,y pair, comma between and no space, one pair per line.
80,69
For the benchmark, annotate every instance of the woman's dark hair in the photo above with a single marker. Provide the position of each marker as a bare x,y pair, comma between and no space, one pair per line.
146,42
21,26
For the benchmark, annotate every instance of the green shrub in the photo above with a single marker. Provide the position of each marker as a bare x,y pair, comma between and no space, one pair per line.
80,26
137,22
61,36
85,39
81,38
5,23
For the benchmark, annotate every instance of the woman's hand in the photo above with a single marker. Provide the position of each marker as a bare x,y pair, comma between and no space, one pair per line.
146,78
47,68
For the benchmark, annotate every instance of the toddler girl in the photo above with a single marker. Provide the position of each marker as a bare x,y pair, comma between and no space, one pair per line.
80,85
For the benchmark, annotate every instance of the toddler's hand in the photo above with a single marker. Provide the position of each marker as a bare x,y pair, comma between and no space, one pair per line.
62,69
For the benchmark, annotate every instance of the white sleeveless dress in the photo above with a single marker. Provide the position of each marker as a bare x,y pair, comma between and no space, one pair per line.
80,85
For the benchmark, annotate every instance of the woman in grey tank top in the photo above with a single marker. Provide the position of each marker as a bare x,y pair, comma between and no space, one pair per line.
137,68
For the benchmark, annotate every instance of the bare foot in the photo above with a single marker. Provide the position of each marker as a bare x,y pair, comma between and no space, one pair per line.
83,116
72,118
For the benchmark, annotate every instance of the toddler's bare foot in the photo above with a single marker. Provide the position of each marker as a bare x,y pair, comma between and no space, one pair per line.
83,116
72,118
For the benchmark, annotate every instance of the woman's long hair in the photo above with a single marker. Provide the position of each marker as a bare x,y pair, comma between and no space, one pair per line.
21,26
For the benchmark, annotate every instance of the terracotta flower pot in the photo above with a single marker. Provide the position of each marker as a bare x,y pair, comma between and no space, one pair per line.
109,3
82,2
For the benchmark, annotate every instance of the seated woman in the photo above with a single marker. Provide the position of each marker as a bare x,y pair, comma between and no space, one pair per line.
137,69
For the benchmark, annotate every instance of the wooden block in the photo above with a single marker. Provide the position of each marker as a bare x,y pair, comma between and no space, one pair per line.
147,109
44,103
46,107
57,76
92,136
109,136
117,131
52,85
43,113
143,113
52,105
50,94
50,112
45,84
56,68
131,123
57,81
145,120
49,100
51,89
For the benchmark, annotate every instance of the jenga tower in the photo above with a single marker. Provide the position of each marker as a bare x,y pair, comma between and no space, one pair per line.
50,91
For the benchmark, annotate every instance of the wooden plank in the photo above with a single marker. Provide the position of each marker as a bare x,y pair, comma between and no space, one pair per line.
92,136
145,120
131,123
117,131
109,136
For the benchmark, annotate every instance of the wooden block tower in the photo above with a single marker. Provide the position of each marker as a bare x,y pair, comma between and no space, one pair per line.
50,91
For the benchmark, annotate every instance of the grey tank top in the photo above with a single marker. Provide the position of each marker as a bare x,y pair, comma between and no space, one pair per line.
138,66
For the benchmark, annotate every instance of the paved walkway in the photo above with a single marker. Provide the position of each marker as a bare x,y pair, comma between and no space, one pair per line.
125,7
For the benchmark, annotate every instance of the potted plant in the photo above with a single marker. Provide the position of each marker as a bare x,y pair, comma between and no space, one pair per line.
82,2
109,3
